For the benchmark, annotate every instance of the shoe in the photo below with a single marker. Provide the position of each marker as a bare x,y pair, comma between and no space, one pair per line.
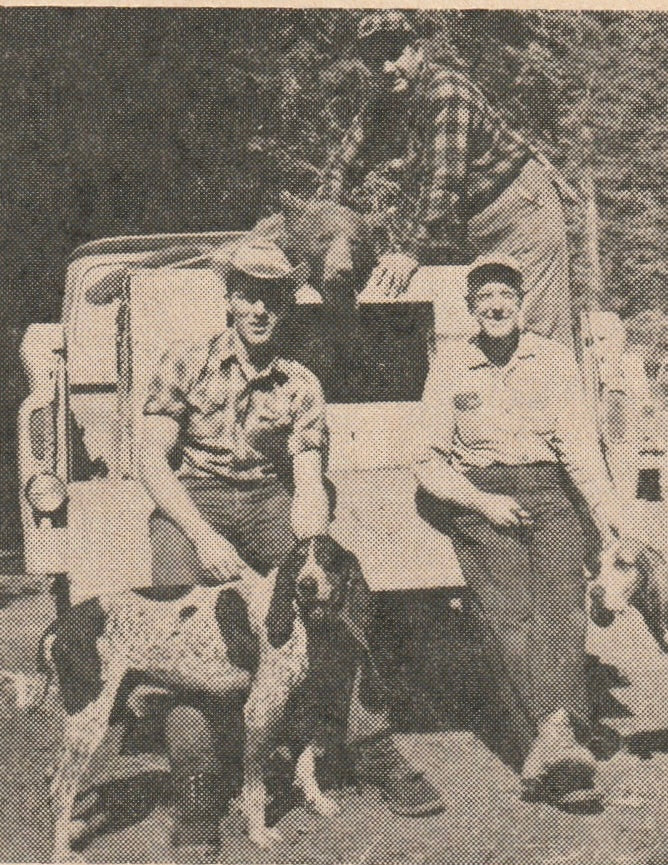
557,765
405,790
197,799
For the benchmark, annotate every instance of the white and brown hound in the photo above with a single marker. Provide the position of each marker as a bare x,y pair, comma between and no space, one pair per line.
633,574
252,635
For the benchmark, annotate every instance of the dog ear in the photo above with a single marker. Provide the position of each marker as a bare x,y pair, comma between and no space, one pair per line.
357,614
281,615
358,607
653,605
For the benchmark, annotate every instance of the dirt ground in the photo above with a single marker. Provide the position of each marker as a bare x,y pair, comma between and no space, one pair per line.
485,822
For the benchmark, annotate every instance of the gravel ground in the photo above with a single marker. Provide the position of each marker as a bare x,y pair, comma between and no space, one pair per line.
485,823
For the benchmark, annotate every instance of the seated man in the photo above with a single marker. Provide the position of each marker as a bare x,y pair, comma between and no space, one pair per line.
251,429
506,422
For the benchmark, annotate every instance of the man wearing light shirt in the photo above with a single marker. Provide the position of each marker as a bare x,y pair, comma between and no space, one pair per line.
505,424
250,429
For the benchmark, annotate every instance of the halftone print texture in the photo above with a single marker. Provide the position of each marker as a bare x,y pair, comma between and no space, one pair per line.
314,549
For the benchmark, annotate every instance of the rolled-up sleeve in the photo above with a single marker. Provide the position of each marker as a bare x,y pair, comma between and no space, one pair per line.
309,431
168,389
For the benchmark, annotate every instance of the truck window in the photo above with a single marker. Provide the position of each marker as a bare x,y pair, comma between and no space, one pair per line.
376,353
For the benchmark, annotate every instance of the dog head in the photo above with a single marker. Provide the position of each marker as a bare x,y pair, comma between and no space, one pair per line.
632,574
323,583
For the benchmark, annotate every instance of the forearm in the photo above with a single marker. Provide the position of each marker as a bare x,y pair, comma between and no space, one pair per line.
439,478
440,221
310,512
171,496
590,478
310,504
577,446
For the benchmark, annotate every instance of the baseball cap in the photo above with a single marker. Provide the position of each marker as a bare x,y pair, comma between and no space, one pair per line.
497,269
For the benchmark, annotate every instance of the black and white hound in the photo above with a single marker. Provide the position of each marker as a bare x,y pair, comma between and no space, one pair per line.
252,635
633,574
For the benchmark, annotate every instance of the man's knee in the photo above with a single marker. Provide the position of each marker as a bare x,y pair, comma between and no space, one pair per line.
190,739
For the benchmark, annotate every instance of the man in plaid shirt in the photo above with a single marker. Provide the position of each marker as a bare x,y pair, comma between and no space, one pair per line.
454,180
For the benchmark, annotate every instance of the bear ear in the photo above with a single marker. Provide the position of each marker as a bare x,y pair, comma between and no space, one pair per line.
291,203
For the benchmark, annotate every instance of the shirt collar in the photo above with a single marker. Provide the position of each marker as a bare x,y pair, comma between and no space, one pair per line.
226,348
526,347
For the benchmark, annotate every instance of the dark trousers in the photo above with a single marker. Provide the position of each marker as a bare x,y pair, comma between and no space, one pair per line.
529,588
254,516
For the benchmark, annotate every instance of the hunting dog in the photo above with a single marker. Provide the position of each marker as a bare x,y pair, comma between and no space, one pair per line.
255,634
633,574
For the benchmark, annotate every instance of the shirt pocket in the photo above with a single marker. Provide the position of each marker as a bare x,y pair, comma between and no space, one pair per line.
473,412
274,412
209,395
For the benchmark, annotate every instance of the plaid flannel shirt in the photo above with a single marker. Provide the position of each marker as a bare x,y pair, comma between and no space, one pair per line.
235,423
463,153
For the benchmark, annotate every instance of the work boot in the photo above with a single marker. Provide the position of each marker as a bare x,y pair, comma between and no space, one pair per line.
405,790
557,765
197,809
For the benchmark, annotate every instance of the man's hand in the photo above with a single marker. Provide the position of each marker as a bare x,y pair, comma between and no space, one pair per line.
219,556
391,275
504,511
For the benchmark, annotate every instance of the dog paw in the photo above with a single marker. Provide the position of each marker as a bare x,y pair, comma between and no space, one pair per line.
265,836
77,829
326,806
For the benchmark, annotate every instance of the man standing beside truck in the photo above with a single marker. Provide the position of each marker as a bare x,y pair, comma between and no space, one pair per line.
505,423
466,185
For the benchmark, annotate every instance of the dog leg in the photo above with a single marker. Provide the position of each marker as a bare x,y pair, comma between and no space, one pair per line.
83,735
306,781
263,709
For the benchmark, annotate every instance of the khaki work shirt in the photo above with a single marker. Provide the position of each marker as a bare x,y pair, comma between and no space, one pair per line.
235,423
531,410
